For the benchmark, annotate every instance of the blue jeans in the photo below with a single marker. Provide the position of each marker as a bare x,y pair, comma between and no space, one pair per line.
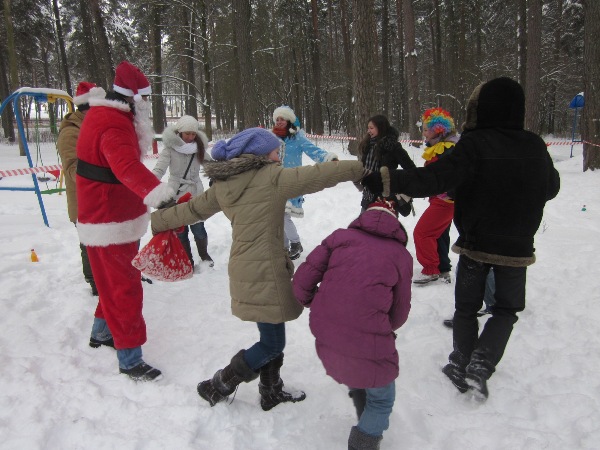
128,357
100,330
375,419
270,345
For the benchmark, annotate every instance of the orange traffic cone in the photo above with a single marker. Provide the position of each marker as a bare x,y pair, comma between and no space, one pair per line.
34,256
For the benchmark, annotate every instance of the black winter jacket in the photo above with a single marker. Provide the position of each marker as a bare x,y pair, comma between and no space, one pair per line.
503,176
388,153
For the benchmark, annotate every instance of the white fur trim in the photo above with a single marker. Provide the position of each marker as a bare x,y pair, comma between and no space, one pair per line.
137,98
379,208
159,194
284,112
104,234
331,157
110,103
96,92
121,90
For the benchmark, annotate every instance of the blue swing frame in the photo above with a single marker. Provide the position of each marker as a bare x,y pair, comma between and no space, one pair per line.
41,96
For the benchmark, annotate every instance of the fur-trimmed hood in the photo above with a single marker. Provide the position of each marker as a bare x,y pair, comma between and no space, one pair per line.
222,170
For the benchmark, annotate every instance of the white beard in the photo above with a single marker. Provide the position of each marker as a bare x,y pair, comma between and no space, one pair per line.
143,125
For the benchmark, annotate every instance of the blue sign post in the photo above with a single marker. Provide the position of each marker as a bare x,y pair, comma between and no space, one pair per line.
575,104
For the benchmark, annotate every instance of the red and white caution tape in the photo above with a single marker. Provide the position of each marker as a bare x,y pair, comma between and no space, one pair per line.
29,170
46,169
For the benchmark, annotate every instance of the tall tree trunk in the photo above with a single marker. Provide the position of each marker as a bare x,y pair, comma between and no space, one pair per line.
591,75
412,76
558,32
385,56
249,114
363,51
403,113
93,70
103,50
191,101
522,41
159,121
239,94
532,78
350,119
206,65
436,40
317,107
61,45
12,68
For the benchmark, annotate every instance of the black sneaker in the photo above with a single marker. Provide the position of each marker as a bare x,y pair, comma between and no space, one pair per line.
457,377
142,372
295,250
95,343
449,323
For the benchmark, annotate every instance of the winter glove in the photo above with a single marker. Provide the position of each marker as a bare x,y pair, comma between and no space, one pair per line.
373,182
167,204
184,198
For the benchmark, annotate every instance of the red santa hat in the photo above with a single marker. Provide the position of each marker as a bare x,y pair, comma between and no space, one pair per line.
82,95
131,82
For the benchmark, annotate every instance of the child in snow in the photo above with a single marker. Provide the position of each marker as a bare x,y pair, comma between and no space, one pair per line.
251,188
357,285
183,154
287,128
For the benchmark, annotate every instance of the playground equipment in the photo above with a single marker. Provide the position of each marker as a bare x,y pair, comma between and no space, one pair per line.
39,95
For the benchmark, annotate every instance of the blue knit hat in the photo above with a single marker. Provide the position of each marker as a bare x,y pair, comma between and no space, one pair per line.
254,141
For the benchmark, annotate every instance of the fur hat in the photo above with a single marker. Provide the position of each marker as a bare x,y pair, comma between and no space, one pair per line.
286,113
498,103
439,120
187,124
131,82
254,141
381,204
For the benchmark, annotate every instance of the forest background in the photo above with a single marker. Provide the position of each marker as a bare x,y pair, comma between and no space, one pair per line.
231,63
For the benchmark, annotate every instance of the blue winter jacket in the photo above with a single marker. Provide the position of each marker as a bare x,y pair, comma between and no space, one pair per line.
297,144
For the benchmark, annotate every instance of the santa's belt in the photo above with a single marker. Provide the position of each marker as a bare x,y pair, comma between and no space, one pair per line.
96,173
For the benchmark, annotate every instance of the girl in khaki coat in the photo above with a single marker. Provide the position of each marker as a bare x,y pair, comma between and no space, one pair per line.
251,189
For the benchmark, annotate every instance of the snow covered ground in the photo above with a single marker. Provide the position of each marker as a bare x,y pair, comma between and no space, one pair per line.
58,393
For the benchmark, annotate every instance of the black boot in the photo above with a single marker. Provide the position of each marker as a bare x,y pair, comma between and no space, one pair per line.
479,370
202,245
455,370
359,398
224,381
271,386
185,241
361,441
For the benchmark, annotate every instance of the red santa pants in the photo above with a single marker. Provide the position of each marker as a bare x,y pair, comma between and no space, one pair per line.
120,293
429,228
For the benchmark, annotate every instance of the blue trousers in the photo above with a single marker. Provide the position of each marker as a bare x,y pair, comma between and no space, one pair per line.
270,345
375,419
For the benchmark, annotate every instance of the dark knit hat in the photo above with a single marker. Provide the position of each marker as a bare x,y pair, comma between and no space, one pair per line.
497,103
254,141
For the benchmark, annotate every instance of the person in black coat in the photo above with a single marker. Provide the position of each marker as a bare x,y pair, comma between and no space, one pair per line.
503,176
380,148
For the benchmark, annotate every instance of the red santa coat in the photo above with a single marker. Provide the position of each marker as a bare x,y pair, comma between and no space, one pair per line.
114,213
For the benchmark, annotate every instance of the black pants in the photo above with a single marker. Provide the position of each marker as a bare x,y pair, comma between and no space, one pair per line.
443,247
485,349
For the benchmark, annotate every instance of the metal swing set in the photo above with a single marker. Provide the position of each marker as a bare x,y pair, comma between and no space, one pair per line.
39,95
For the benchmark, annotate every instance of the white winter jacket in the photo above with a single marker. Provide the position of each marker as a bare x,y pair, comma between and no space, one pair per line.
177,163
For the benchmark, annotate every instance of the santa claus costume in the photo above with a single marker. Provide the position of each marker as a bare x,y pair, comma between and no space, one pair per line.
114,191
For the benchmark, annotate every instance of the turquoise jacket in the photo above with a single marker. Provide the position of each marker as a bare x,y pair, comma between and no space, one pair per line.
295,145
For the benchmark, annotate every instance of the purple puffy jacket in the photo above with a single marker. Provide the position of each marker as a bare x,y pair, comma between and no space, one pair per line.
365,273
